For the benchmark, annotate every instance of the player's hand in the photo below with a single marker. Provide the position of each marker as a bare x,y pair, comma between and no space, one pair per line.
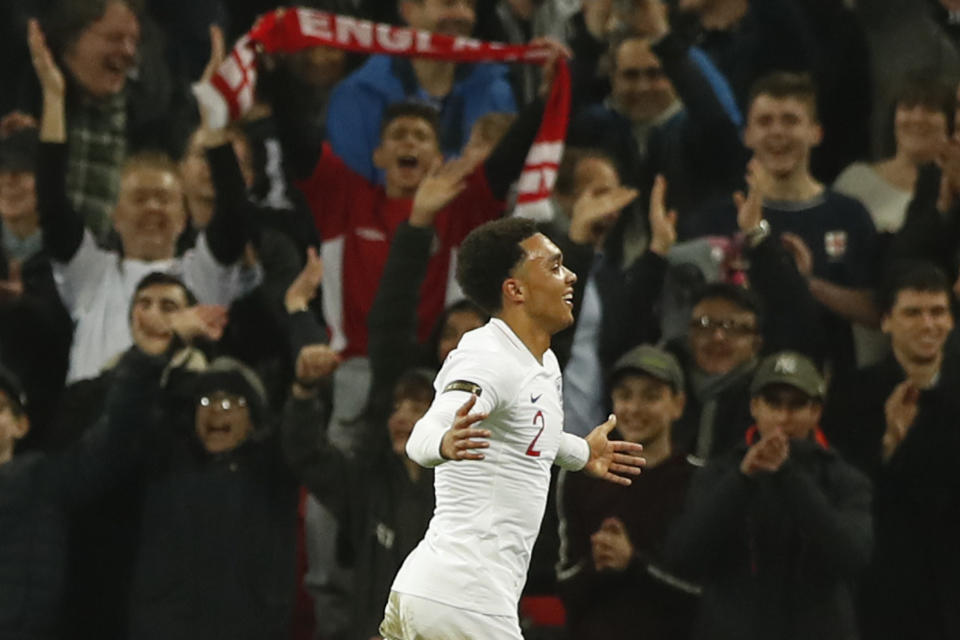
304,287
901,413
460,441
612,461
663,223
611,546
443,183
766,456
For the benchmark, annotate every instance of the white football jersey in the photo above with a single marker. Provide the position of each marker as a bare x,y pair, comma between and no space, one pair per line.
477,548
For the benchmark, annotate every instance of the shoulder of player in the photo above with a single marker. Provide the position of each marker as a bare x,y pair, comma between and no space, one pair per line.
484,360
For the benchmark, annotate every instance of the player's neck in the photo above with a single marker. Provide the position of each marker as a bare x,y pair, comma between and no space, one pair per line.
531,334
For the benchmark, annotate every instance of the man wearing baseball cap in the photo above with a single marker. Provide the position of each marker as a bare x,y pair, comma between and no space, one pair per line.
610,572
778,529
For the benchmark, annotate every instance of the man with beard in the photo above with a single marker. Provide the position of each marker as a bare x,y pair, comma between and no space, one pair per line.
461,92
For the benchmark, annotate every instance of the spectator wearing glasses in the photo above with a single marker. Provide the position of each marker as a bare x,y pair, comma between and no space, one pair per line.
217,552
731,327
668,111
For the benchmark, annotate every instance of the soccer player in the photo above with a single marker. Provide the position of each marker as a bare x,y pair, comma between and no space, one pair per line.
492,475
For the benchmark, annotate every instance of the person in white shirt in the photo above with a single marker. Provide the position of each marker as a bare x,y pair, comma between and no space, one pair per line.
492,474
96,285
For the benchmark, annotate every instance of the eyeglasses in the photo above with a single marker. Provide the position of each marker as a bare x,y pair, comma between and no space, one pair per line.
735,328
224,402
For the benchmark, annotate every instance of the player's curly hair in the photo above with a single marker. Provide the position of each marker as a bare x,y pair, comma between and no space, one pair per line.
487,257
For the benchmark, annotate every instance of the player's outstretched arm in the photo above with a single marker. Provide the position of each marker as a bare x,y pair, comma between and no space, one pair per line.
615,460
459,442
446,432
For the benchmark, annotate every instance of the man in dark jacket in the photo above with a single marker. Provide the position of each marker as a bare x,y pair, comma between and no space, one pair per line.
898,421
217,552
37,492
778,529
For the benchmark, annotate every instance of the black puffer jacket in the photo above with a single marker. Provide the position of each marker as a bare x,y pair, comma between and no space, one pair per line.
777,553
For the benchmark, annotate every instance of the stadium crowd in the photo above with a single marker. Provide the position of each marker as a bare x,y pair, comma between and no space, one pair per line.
216,338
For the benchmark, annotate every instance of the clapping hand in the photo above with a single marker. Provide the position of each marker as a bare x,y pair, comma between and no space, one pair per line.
663,223
443,182
610,546
767,455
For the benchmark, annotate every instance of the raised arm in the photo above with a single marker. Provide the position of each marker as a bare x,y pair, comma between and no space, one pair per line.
505,163
320,466
62,226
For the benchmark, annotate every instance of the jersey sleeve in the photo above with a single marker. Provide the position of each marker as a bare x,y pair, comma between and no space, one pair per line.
463,375
574,452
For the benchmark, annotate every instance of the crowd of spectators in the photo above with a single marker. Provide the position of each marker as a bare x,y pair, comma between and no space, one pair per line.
216,340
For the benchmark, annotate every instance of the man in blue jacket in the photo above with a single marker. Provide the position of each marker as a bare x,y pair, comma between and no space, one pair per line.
462,92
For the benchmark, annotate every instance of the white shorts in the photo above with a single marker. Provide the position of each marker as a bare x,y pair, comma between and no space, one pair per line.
409,617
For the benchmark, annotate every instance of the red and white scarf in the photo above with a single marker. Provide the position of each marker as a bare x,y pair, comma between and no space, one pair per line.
230,93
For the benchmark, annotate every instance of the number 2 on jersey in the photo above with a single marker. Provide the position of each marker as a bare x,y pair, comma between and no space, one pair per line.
537,420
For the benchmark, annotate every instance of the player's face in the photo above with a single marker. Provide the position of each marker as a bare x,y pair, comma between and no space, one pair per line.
783,407
781,132
546,284
722,335
918,324
406,413
920,132
406,152
645,408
